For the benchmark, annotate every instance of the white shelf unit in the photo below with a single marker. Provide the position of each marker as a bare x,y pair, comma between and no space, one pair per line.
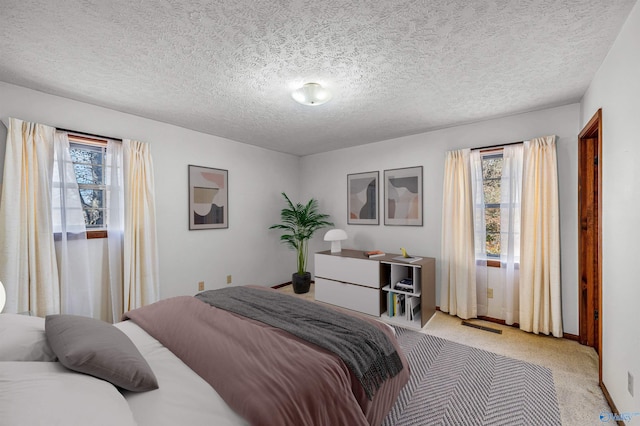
351,280
422,274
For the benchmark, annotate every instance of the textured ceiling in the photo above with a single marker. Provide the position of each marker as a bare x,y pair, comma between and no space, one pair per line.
227,67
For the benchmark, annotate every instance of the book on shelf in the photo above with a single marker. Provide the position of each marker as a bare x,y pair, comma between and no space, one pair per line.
405,284
413,308
400,306
374,253
407,259
403,287
396,305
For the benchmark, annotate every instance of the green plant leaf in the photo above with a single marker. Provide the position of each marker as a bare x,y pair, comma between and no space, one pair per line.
299,223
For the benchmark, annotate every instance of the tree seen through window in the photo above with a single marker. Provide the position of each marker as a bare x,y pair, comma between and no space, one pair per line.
88,164
491,176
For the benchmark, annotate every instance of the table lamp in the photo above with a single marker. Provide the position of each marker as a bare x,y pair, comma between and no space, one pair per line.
335,236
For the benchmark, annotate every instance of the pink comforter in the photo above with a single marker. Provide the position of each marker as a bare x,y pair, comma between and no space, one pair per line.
268,376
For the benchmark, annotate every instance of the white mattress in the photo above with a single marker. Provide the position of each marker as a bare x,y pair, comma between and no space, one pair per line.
182,398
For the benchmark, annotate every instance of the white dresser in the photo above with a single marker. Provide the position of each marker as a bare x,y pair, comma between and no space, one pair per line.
353,281
348,279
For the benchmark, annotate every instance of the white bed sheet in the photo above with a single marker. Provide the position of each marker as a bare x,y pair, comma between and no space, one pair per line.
183,397
47,394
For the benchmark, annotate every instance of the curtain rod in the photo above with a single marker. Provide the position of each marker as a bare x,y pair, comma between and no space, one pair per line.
496,146
89,134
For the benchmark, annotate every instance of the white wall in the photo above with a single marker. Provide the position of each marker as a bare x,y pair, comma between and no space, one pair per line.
324,176
247,250
616,89
496,280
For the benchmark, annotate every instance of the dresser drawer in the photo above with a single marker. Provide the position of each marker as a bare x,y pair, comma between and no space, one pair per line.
357,271
355,297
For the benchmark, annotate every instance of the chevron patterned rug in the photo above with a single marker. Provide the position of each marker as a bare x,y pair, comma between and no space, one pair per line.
457,385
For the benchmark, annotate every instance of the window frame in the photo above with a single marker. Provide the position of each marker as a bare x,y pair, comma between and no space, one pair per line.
84,140
492,260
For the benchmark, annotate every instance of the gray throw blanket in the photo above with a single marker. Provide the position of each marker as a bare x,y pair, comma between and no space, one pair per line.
365,350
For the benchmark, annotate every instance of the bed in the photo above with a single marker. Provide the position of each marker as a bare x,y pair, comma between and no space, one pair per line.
225,369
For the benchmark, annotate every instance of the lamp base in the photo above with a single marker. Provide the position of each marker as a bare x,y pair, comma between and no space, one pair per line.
335,247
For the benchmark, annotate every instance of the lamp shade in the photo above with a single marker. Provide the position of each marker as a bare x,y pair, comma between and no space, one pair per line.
3,297
335,236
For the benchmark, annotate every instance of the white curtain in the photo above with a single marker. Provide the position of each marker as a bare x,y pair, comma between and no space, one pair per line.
458,286
141,276
77,289
28,266
510,212
480,232
115,229
540,301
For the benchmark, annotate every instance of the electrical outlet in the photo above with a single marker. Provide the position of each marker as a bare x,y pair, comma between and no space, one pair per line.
490,293
228,279
201,286
630,382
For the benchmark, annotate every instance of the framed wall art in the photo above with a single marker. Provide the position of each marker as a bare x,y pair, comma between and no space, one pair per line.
208,198
403,196
362,198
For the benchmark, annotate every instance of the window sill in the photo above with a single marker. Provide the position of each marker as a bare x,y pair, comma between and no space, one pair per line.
493,263
96,234
57,236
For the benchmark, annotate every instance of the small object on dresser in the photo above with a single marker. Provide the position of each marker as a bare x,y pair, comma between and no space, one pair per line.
407,259
374,253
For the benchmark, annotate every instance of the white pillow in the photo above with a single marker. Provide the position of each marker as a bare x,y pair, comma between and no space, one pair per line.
47,394
23,339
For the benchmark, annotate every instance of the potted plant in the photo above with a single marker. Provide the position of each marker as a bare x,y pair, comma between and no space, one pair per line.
300,222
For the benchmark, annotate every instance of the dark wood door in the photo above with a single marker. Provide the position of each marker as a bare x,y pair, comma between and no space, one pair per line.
588,241
590,234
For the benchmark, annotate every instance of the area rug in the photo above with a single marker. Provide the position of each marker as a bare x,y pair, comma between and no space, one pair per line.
455,384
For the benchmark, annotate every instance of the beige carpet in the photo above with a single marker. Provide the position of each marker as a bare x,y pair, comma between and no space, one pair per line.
574,367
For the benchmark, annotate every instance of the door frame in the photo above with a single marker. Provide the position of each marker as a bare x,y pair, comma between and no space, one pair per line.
592,130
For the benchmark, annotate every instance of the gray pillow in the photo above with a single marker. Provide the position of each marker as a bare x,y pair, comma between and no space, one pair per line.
99,349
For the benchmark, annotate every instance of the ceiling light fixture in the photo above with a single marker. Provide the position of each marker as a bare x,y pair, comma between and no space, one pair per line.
311,94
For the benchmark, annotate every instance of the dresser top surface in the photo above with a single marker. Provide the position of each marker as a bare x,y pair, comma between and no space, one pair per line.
388,257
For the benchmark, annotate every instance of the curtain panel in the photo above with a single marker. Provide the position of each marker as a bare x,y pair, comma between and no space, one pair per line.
77,290
28,265
510,229
458,286
140,268
480,232
540,293
114,181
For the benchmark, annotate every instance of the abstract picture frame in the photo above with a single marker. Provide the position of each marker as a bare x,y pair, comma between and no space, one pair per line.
208,198
362,198
403,196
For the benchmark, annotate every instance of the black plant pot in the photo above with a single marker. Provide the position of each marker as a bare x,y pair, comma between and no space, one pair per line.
301,283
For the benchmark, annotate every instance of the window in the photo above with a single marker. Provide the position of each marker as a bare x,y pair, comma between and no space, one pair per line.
491,176
89,156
